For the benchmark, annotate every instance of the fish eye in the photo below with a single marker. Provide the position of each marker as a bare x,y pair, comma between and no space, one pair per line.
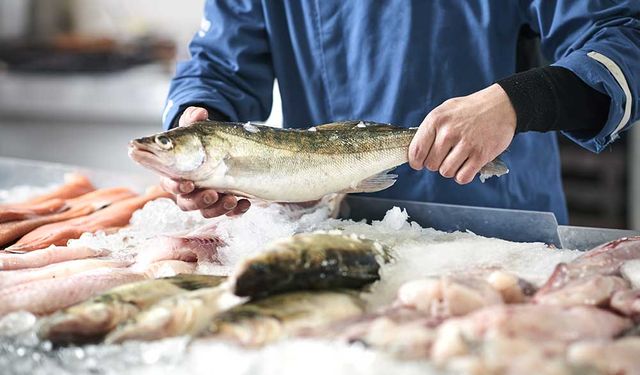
164,142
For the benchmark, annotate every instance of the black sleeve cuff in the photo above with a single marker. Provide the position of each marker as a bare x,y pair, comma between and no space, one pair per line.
554,98
214,115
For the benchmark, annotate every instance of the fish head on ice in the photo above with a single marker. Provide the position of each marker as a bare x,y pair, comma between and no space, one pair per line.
177,153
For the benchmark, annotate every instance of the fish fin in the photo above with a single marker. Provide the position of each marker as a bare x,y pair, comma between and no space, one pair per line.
354,124
374,183
496,167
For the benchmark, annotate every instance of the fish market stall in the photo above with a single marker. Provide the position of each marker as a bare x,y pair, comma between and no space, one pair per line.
416,288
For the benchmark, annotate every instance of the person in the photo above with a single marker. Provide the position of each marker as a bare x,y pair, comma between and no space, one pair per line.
447,66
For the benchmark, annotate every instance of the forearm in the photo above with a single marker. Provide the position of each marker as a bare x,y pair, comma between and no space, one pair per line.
554,98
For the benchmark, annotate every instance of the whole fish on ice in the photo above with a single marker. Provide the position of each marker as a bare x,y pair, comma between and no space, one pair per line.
92,319
282,165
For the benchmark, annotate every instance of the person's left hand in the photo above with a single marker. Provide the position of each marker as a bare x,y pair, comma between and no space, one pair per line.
463,134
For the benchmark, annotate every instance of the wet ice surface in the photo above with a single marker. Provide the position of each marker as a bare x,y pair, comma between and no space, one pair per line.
417,252
23,192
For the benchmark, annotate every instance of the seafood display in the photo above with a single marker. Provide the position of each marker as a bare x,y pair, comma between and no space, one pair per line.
135,280
310,261
282,165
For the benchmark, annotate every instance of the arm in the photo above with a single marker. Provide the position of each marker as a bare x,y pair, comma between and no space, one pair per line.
479,127
229,77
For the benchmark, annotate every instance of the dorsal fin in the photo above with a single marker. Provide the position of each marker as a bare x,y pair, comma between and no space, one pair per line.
353,124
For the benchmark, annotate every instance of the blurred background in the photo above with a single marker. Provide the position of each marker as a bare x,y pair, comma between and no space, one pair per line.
80,78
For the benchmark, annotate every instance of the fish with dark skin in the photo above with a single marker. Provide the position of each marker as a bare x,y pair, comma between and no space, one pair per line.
282,165
310,261
274,318
91,320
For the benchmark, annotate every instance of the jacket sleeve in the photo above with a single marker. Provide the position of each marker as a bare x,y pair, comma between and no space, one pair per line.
230,67
598,40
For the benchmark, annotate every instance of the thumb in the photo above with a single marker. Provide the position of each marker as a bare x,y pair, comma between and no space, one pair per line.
193,114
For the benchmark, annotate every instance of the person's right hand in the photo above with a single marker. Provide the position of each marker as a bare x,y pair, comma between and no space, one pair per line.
210,202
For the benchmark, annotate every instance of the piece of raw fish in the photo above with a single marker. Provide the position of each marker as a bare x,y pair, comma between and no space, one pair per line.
595,290
535,323
74,185
446,296
627,303
277,317
57,271
402,332
630,270
44,257
113,216
91,320
186,313
46,296
282,165
619,357
309,261
49,207
605,259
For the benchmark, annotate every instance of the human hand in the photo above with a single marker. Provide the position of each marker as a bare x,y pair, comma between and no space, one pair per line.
210,202
463,134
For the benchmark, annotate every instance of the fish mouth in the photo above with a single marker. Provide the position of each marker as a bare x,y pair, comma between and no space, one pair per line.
146,156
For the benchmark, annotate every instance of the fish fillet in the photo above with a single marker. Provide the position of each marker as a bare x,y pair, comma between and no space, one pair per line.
74,186
56,271
115,215
46,296
49,207
43,257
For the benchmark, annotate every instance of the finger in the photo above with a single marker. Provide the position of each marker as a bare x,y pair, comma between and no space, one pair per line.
224,204
469,169
440,149
420,145
197,200
242,207
191,115
177,186
453,161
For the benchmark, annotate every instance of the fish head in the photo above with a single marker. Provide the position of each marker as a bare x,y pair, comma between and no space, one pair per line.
177,153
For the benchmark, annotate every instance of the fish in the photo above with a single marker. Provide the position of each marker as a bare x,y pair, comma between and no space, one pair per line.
49,207
627,303
187,313
282,165
78,207
44,257
264,321
75,185
310,261
595,290
57,271
608,357
606,260
167,268
115,215
92,320
533,323
43,297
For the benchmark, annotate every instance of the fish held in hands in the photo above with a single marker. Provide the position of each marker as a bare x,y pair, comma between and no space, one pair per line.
91,320
282,165
310,261
277,317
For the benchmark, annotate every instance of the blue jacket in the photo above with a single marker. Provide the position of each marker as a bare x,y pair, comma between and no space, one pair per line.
394,61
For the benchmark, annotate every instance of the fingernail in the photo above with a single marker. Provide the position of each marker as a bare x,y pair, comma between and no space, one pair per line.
207,199
186,187
244,210
229,205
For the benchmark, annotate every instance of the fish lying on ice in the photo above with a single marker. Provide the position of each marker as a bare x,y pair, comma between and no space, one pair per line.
282,165
46,296
186,313
57,271
91,320
277,317
49,207
44,257
310,261
77,207
115,215
74,185
595,290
